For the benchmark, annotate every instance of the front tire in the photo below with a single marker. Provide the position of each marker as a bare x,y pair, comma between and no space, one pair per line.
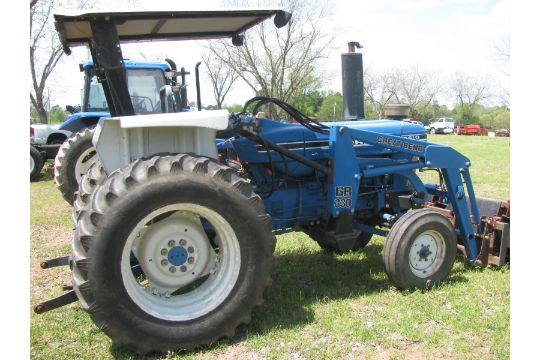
73,160
420,250
202,239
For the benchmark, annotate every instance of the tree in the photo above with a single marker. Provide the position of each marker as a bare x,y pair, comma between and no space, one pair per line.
332,107
221,75
45,47
309,101
45,51
234,108
501,53
281,63
57,115
417,88
469,92
380,88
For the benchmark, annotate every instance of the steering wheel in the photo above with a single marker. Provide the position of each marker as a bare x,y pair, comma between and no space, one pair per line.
142,104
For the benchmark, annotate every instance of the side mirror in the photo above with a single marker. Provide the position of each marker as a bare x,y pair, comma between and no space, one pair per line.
73,109
282,18
238,40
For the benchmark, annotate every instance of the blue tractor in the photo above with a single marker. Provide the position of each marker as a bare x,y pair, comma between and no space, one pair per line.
145,79
175,225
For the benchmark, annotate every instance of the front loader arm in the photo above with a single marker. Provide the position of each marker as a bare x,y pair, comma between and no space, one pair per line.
346,175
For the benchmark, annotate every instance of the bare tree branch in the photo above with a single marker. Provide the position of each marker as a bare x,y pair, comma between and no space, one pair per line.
221,76
281,62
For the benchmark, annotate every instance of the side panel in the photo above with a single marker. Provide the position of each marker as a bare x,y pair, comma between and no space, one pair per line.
117,147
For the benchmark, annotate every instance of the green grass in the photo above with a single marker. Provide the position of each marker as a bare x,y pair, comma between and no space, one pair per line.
320,305
490,162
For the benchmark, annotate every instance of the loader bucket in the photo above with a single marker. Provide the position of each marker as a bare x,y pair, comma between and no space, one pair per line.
494,237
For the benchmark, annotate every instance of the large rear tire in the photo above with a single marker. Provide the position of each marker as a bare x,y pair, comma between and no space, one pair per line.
420,250
199,234
95,176
36,163
73,160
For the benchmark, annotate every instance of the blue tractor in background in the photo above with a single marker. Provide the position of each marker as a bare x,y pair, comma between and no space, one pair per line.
145,80
176,224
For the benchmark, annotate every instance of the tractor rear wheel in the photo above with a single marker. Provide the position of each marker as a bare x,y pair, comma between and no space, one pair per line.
420,250
202,243
73,160
95,175
36,163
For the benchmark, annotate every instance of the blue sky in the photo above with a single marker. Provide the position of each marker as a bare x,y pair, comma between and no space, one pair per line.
444,36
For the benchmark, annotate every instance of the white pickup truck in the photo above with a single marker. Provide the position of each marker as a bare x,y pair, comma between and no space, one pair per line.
444,125
47,134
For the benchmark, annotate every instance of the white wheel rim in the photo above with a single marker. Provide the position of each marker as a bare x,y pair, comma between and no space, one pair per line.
426,254
85,160
155,294
32,164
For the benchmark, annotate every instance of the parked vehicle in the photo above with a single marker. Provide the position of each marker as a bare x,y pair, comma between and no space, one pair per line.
444,125
145,80
472,129
48,134
502,132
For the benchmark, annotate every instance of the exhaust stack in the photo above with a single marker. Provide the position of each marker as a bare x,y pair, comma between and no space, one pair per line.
352,80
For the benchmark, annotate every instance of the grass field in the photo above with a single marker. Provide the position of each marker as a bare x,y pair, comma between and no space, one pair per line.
320,305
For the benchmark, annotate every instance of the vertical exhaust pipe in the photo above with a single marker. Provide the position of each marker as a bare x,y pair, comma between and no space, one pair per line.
352,81
198,86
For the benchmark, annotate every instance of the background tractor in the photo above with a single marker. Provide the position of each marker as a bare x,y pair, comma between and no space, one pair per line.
145,80
176,223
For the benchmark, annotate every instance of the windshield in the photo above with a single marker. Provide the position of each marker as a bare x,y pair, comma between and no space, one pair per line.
143,86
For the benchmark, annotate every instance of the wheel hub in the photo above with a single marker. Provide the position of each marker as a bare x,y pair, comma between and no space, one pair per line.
426,254
174,252
177,256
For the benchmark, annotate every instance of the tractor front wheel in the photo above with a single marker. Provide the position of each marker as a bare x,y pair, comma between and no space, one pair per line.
73,160
172,253
420,250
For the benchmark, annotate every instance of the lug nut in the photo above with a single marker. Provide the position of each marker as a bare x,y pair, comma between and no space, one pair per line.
172,269
183,268
163,251
183,242
190,249
164,262
191,260
171,243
